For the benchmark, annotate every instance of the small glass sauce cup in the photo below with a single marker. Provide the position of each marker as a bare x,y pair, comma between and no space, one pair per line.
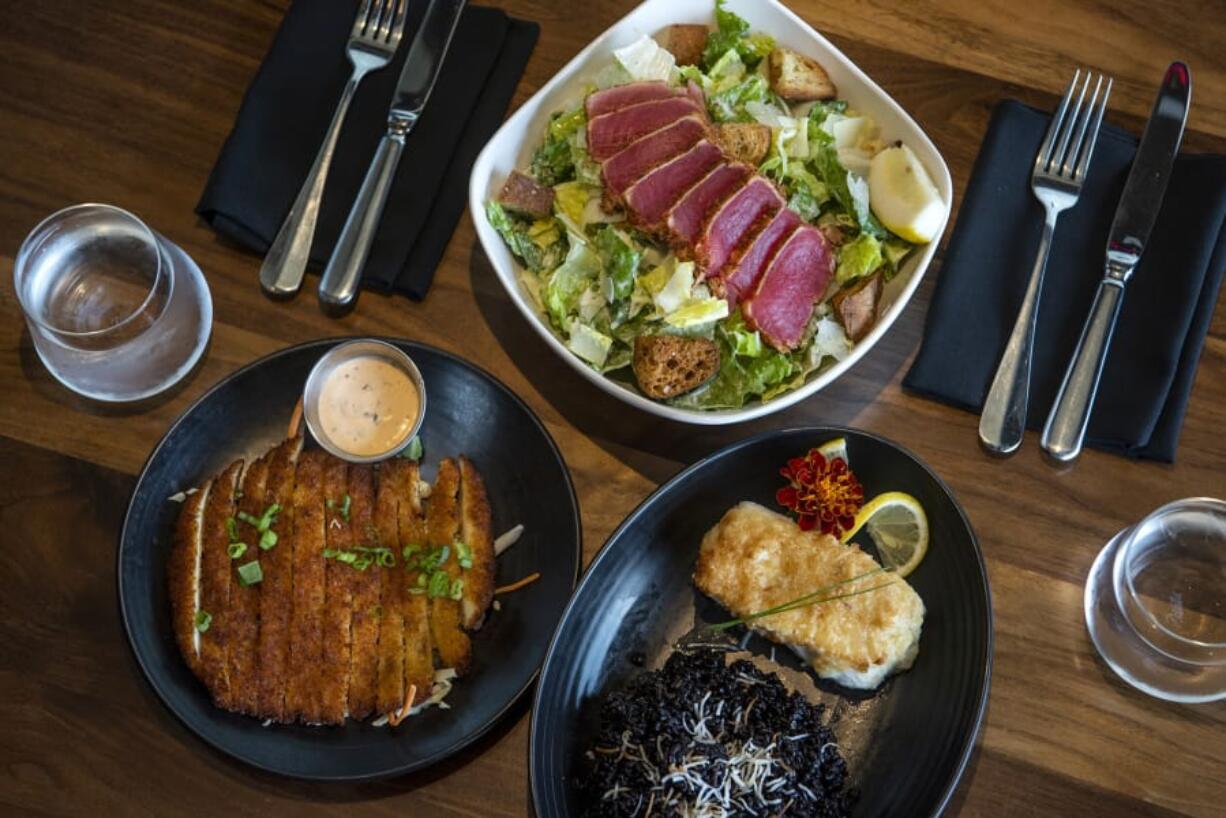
340,354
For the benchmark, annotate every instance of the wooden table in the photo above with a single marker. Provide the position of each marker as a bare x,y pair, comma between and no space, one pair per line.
129,103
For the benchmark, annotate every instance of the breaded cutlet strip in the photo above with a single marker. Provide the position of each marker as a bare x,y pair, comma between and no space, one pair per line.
414,606
216,576
276,591
338,598
476,531
244,621
183,572
390,695
443,528
364,661
302,694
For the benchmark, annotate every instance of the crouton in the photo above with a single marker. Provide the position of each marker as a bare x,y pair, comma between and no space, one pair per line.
745,141
798,78
685,42
857,307
671,365
522,194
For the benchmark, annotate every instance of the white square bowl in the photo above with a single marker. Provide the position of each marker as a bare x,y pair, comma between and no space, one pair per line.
511,148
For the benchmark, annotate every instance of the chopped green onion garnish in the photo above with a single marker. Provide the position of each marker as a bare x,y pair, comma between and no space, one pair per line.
440,585
413,451
464,553
238,494
409,550
363,561
386,558
268,539
250,573
248,519
203,620
329,504
423,580
417,591
346,501
236,549
232,528
457,589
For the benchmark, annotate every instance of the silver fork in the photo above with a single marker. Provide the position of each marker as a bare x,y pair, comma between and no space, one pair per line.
1059,172
377,31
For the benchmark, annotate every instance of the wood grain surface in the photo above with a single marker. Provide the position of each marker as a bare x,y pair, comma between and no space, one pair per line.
128,103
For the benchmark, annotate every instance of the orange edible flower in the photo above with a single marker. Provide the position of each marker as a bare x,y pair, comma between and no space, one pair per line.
825,494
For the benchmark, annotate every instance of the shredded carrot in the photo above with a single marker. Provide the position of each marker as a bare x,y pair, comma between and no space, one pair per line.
394,719
515,586
295,420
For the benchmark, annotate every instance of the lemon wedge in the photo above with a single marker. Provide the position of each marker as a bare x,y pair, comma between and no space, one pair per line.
835,450
899,528
902,195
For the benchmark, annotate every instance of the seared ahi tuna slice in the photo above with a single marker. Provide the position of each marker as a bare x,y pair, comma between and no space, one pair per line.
782,303
655,194
741,273
687,216
610,133
734,221
636,161
623,96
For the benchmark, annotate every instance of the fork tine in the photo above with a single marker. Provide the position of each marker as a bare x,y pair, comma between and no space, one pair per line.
402,10
1070,125
385,19
1084,163
359,22
1044,156
1082,123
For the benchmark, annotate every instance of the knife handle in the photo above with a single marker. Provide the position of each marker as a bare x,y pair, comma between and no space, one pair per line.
338,289
1065,430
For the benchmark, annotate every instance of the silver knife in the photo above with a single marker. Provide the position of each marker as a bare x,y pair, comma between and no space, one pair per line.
338,289
1065,430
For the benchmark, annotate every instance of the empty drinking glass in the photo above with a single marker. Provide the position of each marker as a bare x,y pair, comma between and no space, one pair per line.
116,311
1155,602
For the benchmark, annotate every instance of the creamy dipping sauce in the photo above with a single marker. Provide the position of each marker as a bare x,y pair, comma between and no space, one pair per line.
367,406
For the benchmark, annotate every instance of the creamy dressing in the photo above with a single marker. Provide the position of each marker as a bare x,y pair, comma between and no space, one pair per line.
367,406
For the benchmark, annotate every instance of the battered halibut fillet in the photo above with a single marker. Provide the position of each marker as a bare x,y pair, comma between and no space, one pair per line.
755,559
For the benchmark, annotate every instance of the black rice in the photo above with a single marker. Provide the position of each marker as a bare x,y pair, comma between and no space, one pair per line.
702,737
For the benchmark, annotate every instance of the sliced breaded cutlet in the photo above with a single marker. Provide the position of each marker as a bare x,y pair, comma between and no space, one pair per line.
183,575
302,693
476,533
338,597
216,576
244,622
443,529
276,589
364,661
390,694
755,559
414,605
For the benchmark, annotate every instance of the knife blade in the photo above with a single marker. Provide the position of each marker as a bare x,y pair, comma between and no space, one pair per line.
338,287
1151,170
1065,430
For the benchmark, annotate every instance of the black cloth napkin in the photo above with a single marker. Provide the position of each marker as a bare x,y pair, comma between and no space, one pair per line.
1167,306
289,105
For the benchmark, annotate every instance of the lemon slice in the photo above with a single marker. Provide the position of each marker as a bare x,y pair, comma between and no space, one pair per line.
902,195
835,450
899,528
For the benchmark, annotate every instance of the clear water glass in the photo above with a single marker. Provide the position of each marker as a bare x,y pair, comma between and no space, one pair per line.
1155,602
116,311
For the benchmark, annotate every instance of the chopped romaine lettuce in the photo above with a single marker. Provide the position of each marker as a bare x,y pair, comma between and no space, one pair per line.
567,283
620,261
895,250
727,71
858,258
518,234
644,60
740,377
588,343
697,312
729,105
554,161
744,342
677,288
733,33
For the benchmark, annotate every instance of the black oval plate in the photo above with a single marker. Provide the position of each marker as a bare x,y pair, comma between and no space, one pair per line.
469,412
906,745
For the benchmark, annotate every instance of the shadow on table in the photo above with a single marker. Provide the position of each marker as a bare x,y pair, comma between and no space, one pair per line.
653,446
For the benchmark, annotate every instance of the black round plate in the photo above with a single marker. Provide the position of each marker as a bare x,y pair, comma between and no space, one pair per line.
469,412
906,744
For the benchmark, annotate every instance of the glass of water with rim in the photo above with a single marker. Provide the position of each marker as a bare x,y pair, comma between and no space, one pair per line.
1155,602
116,312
